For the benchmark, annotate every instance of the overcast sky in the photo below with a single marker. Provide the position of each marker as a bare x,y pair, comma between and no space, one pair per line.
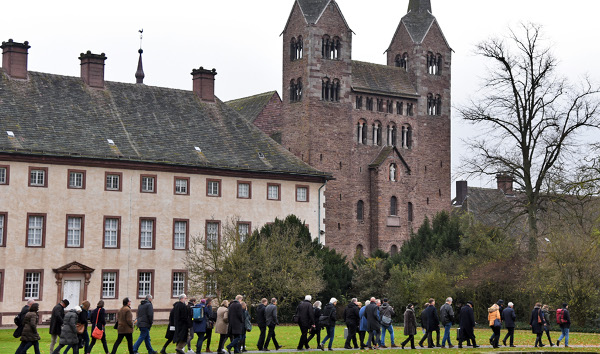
240,38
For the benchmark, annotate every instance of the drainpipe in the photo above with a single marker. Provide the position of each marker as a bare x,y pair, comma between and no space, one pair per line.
319,211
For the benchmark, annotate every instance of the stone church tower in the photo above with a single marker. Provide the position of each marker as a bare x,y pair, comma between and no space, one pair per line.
382,130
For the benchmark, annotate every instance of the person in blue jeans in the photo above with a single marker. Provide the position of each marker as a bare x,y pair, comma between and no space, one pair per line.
565,326
386,311
447,318
331,313
145,317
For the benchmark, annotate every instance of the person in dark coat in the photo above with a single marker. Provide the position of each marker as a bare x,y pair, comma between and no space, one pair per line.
145,318
56,321
433,324
447,319
537,321
211,316
124,327
199,324
191,303
182,321
21,317
261,322
423,319
306,322
236,324
330,312
68,332
362,326
546,312
29,334
170,330
352,319
509,323
315,330
466,319
566,326
410,326
82,319
247,325
98,318
272,321
373,323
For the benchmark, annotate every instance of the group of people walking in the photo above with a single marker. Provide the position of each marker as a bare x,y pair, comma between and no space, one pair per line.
232,321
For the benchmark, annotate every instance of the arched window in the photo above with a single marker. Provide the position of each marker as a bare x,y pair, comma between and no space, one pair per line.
410,212
402,61
360,210
393,206
361,132
330,90
360,252
293,49
299,89
406,137
299,48
391,134
434,62
330,47
393,177
377,133
394,250
438,105
293,91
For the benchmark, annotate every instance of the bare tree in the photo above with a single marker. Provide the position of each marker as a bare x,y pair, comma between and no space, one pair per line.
530,118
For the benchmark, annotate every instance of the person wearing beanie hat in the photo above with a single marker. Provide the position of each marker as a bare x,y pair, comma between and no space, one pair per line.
56,321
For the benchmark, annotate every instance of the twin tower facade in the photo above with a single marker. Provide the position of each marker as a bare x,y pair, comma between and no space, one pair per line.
383,131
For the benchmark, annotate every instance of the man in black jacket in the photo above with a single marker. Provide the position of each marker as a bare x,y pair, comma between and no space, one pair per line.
236,324
447,318
306,321
182,322
145,317
272,321
433,323
352,320
509,317
261,321
373,323
565,326
467,323
56,321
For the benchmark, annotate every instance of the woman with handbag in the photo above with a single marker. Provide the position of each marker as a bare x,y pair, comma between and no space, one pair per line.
221,325
495,321
98,318
537,321
82,323
68,332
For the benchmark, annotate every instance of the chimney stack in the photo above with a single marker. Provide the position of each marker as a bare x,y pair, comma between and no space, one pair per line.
461,192
14,58
92,69
505,183
204,83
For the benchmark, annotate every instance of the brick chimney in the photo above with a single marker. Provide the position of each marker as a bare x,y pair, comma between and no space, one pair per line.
505,183
461,192
92,69
204,83
14,58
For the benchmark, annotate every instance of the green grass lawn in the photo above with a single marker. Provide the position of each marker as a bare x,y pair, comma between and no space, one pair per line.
288,337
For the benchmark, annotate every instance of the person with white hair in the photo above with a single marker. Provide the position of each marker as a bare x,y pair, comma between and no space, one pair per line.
145,318
328,320
305,316
68,332
183,322
509,323
447,318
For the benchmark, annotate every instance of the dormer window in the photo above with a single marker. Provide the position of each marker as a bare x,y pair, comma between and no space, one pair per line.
330,47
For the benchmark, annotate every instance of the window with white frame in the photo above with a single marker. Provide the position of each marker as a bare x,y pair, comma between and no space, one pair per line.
32,285
35,231
273,192
243,190
181,186
212,235
74,231
302,194
243,231
75,179
144,284
113,182
212,188
111,232
109,285
210,285
3,175
179,235
37,178
178,284
146,233
148,184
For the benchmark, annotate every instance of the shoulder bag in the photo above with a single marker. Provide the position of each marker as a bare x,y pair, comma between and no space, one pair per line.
97,332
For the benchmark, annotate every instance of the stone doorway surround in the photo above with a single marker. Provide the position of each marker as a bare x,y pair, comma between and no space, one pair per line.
68,271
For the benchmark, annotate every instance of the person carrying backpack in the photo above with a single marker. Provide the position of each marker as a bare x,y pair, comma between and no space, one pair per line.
199,322
563,318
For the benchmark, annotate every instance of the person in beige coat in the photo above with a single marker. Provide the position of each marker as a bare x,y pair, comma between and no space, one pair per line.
221,325
124,326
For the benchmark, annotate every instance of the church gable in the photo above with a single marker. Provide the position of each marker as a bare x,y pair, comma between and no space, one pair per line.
435,37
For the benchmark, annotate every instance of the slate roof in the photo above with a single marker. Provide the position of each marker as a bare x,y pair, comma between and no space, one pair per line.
419,19
312,9
251,107
60,116
492,207
384,153
381,79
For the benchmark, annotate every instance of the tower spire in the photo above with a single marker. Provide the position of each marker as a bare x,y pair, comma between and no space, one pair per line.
139,74
419,6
